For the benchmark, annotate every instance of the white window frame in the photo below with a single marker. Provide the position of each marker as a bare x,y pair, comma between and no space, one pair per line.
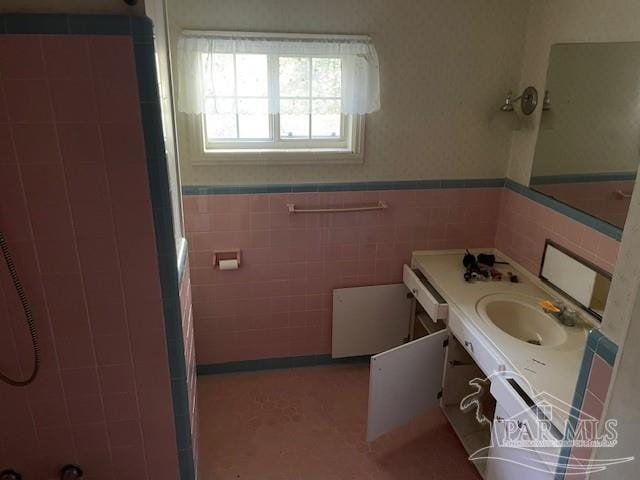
346,149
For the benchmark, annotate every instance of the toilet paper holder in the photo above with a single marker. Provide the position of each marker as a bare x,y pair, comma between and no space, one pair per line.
229,254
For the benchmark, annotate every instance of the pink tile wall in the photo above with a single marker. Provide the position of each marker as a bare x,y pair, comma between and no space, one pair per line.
278,303
593,402
76,212
524,225
596,198
190,354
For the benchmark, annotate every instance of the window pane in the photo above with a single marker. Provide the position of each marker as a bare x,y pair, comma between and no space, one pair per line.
327,77
253,118
294,118
297,106
294,77
220,127
294,126
326,119
218,72
220,105
252,75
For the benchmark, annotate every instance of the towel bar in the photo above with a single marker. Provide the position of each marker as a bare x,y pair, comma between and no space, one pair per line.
378,206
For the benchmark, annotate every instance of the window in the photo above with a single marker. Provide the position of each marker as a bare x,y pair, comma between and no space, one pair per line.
237,102
276,99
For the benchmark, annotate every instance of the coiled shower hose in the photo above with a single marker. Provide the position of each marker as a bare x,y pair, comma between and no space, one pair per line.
26,308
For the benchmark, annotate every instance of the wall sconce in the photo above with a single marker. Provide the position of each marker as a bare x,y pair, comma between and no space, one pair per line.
548,117
507,118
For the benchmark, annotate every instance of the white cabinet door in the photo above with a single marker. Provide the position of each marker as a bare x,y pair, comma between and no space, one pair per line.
405,382
369,320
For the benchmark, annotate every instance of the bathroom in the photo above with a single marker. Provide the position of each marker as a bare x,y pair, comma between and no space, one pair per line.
193,319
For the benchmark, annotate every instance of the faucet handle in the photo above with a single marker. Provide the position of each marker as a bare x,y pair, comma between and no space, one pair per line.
551,306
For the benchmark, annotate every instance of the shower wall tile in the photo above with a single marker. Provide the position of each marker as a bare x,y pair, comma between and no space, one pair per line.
27,100
278,304
67,58
21,57
76,211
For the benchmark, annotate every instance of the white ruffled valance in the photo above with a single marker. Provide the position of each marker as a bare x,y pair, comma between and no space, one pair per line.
360,77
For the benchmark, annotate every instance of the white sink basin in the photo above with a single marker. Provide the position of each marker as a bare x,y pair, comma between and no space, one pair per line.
522,318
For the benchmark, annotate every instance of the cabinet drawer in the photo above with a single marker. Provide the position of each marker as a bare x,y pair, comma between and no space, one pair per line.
425,294
480,352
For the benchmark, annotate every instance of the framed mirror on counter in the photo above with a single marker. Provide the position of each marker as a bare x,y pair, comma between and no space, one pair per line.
588,147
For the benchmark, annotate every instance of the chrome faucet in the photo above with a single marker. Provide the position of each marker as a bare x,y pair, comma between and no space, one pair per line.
565,315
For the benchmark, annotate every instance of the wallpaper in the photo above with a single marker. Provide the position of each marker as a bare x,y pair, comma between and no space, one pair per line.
445,66
551,22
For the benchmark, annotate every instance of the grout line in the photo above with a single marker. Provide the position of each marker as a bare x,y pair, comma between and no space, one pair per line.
81,274
123,298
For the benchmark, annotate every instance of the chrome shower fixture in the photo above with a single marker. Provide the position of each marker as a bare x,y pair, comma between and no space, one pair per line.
71,472
10,475
528,101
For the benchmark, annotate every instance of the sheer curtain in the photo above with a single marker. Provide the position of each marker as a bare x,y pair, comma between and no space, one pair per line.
360,82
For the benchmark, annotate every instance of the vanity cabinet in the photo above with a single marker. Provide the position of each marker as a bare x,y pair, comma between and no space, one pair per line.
435,354
433,369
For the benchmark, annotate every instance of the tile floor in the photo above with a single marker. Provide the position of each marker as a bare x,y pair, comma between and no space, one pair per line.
309,423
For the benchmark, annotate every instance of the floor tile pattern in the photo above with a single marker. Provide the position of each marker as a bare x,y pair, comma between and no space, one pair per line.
309,424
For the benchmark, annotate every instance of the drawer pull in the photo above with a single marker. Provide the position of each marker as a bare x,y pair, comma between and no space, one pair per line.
469,345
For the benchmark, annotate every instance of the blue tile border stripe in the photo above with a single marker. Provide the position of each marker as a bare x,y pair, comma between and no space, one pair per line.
342,187
140,29
170,260
607,350
597,344
583,178
573,213
276,363
70,24
577,215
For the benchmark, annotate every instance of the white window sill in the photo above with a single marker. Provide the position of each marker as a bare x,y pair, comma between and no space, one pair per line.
317,156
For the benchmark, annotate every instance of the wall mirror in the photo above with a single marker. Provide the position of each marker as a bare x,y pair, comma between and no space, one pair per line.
588,146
